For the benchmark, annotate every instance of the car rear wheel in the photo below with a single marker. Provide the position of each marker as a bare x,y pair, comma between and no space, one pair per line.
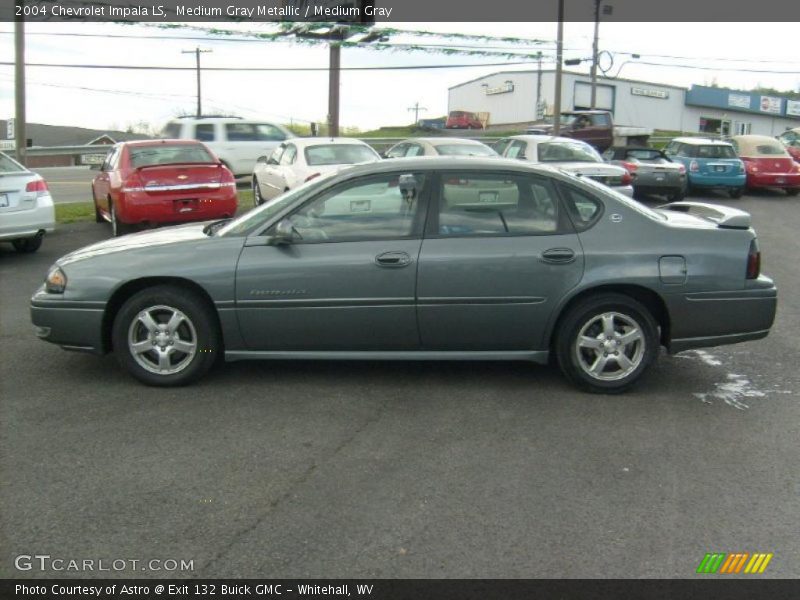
258,199
736,192
118,228
606,343
166,336
28,245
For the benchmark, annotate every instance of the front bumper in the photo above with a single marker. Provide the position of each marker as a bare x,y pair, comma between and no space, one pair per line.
71,325
28,223
705,319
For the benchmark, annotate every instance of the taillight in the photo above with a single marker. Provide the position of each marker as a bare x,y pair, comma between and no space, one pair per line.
132,184
626,178
753,260
694,167
37,185
630,166
681,169
312,176
227,179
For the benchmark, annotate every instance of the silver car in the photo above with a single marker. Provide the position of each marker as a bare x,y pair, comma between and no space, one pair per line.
431,258
27,212
653,172
442,146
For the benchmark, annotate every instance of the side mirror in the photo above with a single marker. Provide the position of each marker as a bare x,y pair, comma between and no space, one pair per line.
272,161
283,233
262,159
95,167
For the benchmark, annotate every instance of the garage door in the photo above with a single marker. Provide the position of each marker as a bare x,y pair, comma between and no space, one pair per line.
583,96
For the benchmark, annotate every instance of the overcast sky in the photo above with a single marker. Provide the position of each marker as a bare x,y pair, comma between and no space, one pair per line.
368,99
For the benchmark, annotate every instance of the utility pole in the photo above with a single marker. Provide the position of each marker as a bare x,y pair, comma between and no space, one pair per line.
197,51
417,109
19,89
559,69
539,88
594,52
334,73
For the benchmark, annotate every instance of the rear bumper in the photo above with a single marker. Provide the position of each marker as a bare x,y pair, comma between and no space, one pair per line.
717,181
650,182
177,207
780,180
28,223
73,326
706,319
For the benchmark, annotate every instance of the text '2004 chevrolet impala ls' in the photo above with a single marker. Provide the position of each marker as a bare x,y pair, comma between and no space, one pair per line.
434,258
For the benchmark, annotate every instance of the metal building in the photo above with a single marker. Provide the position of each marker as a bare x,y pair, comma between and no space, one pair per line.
510,99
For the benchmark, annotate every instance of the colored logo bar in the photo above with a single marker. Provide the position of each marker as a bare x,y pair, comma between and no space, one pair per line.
735,562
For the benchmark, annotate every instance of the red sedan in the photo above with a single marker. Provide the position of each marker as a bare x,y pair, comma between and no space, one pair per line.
791,141
162,181
767,163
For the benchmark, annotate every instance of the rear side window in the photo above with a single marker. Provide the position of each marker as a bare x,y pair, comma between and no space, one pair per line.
253,132
204,132
481,205
583,209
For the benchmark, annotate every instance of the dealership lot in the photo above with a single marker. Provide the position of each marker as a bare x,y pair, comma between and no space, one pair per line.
356,469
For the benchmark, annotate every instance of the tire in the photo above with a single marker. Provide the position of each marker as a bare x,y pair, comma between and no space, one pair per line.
28,245
258,199
792,192
736,192
118,228
580,348
166,356
98,216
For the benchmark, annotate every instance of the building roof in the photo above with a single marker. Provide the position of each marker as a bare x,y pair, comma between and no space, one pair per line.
64,135
599,78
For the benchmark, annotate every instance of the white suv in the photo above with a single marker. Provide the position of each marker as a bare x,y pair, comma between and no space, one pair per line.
237,142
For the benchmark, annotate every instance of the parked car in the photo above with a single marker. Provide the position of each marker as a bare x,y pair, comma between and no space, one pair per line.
462,119
595,127
768,164
710,164
420,258
161,181
652,171
302,159
571,155
439,147
26,208
237,142
791,141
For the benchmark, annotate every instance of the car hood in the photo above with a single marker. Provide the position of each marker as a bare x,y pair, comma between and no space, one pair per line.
165,236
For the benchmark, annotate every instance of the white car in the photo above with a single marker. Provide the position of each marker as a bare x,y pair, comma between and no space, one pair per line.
571,155
443,146
26,208
301,159
236,142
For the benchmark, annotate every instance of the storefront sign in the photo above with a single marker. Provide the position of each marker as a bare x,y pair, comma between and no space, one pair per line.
500,89
661,94
739,100
770,104
793,108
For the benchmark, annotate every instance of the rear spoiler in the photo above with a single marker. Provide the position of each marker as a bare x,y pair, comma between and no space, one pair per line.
724,216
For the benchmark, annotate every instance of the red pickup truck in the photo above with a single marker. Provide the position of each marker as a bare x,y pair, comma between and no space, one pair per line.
594,127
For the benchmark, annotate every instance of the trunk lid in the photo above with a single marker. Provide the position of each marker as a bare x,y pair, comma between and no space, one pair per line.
165,179
13,196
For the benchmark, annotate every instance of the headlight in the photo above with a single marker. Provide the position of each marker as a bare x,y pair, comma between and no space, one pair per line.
56,281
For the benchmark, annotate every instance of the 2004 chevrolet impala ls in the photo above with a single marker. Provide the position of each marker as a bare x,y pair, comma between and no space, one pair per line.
434,258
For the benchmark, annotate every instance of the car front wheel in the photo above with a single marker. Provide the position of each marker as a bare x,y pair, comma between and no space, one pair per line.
606,343
166,336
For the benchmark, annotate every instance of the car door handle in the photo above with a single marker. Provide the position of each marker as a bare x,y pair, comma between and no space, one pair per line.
393,259
558,256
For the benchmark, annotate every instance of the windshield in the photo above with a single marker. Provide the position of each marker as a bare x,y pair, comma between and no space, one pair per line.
464,150
7,165
166,154
339,154
255,218
567,152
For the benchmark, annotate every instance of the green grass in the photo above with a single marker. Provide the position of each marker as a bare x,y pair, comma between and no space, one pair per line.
76,212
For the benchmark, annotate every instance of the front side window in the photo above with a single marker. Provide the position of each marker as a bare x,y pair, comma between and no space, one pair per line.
397,151
516,149
275,157
480,205
289,155
376,208
415,150
601,120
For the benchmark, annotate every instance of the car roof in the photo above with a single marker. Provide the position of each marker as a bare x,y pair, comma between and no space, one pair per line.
220,120
159,142
538,139
700,141
437,141
305,142
427,163
626,148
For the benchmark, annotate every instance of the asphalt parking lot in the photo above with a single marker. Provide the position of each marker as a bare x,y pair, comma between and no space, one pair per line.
408,470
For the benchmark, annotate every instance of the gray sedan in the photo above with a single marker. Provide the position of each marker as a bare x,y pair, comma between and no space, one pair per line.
432,258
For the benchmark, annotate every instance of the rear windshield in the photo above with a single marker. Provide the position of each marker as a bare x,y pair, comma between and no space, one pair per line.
465,150
339,154
567,152
770,150
644,154
10,166
715,152
166,154
458,113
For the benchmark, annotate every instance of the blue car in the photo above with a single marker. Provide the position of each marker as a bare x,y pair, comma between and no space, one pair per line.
710,164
